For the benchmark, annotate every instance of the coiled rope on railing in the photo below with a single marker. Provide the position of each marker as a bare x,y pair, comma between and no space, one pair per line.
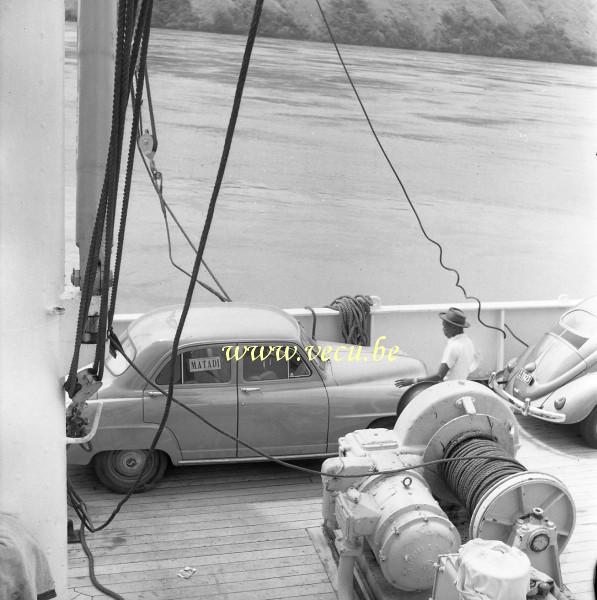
470,480
354,312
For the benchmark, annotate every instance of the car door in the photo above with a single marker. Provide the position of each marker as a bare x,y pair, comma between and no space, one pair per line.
283,404
205,381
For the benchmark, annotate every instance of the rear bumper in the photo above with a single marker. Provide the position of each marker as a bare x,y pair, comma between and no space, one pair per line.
524,407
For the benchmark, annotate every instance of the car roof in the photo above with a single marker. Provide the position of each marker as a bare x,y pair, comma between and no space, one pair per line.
590,305
225,321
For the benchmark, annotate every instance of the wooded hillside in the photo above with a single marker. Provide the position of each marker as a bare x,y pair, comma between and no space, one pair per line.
549,30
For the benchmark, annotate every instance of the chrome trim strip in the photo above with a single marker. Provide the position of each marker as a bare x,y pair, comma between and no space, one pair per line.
205,461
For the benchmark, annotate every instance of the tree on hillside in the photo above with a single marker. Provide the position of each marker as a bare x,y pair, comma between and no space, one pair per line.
463,33
174,14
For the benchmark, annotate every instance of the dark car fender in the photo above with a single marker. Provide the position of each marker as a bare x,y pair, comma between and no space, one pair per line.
126,437
581,398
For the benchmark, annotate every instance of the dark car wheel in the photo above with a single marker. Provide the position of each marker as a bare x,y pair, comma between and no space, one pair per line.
588,428
119,469
410,394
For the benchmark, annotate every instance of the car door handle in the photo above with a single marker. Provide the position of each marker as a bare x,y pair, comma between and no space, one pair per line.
249,389
154,393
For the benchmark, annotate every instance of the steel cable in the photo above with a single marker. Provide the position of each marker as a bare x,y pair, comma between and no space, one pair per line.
156,181
470,480
403,187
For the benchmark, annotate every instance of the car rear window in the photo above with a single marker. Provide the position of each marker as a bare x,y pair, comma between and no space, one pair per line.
206,364
577,327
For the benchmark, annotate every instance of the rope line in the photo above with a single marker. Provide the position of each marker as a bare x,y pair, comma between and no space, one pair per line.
210,211
354,313
102,588
157,182
223,296
402,186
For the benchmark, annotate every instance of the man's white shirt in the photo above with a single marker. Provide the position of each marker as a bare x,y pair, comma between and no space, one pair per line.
460,356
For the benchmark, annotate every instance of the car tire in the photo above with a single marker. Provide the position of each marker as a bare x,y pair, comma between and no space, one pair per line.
410,394
588,428
383,423
119,469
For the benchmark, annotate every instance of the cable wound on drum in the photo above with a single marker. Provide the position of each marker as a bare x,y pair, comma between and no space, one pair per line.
486,464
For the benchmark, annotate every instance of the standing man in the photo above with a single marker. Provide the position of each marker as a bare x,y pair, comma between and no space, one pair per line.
459,359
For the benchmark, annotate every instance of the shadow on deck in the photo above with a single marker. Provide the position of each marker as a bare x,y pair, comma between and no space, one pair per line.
244,528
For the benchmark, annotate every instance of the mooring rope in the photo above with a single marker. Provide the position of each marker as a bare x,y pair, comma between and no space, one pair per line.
354,312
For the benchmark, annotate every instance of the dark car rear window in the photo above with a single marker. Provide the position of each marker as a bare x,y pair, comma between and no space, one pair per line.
207,364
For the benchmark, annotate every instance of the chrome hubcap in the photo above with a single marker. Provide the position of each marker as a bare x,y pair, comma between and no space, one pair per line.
129,463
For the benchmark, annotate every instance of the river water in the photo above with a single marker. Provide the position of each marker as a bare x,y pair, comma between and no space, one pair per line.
498,156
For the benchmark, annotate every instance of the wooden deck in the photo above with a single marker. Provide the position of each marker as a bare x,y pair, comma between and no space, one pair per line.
244,529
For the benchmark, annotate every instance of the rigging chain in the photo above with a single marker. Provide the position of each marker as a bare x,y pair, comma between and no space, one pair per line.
203,242
132,36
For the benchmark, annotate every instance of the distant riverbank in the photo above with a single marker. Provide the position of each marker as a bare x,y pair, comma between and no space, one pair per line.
542,30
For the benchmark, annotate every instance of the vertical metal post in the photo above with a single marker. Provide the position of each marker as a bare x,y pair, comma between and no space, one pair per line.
32,450
501,341
96,45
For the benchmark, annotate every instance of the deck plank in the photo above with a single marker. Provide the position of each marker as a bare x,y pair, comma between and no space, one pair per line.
244,528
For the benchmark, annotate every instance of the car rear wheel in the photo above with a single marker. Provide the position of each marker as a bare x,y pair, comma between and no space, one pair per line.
410,394
119,469
588,428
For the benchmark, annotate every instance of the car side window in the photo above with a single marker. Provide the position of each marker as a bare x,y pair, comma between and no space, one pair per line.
267,363
207,364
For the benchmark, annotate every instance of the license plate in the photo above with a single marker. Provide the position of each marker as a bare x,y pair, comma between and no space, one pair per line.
525,376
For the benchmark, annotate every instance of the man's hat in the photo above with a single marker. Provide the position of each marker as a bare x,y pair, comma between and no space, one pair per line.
455,317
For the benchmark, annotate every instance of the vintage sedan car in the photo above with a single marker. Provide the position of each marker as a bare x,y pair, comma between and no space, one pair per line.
289,403
556,378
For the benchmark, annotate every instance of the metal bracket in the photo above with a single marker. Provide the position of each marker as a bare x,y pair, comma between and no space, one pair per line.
87,385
